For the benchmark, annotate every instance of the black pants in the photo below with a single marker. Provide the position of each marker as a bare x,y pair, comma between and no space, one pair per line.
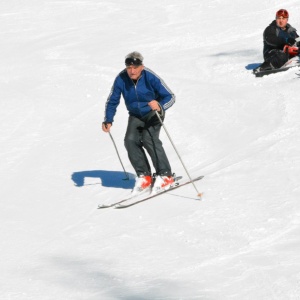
277,58
144,133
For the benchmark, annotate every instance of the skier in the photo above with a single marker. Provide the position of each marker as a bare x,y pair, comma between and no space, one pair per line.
144,94
275,37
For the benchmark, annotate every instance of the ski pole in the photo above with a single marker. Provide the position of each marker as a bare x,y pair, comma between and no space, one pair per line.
127,177
198,193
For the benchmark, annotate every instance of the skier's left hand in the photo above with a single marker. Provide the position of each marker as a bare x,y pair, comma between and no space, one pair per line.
290,41
154,105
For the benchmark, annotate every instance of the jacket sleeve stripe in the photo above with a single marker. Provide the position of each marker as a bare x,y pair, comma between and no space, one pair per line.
172,99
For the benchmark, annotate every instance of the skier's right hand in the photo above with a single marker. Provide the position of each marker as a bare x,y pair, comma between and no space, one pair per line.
106,126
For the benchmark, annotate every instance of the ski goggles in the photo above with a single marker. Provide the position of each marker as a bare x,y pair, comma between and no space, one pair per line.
282,13
130,61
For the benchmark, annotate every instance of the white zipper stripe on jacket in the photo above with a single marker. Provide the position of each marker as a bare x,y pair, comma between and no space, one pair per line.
135,84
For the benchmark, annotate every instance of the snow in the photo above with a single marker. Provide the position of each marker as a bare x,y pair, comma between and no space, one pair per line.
58,62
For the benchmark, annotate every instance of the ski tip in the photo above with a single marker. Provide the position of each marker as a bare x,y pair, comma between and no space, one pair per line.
101,206
119,206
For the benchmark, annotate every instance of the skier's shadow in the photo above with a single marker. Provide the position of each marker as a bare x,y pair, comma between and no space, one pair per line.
115,179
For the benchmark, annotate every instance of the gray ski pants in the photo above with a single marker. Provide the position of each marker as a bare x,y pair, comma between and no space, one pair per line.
140,135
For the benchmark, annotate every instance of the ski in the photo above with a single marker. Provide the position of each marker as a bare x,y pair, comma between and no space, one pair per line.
123,204
101,206
293,62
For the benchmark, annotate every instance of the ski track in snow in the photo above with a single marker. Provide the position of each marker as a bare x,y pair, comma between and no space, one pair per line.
59,59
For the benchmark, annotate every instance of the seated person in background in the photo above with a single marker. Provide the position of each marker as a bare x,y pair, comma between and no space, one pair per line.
277,36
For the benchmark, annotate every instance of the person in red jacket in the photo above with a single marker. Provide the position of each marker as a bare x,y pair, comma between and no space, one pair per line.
145,94
275,37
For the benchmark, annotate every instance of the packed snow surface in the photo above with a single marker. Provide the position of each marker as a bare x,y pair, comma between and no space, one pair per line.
58,63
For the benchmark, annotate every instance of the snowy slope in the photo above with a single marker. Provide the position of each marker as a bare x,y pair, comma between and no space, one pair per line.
58,62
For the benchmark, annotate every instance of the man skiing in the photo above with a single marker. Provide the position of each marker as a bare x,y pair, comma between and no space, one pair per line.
275,37
145,94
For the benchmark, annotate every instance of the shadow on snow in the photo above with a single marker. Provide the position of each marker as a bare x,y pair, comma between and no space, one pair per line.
252,66
115,179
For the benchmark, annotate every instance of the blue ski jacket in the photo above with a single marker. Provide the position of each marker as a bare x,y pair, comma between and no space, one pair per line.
137,95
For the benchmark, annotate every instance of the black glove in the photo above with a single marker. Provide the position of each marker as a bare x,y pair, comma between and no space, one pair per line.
290,41
298,44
